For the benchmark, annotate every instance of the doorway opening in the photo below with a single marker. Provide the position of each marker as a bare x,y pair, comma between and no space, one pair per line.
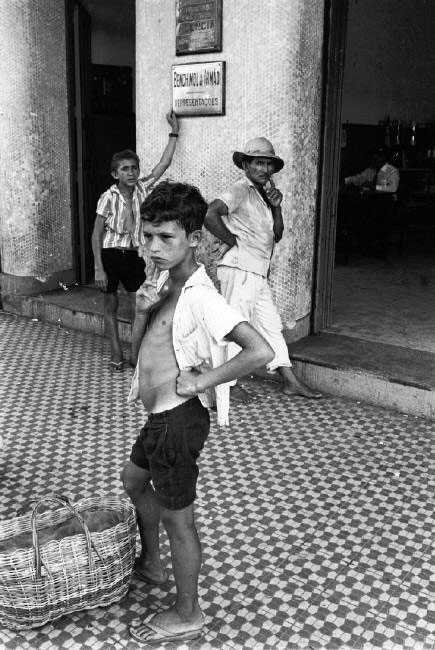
101,66
382,255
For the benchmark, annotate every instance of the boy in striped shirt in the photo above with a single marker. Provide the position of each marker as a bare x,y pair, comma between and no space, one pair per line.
117,236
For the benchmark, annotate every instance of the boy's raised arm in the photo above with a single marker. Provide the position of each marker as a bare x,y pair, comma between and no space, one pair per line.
255,352
169,150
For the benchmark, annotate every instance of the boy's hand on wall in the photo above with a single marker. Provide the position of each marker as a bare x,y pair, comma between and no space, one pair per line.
173,121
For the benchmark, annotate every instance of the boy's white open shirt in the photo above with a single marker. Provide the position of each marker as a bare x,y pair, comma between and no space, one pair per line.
202,319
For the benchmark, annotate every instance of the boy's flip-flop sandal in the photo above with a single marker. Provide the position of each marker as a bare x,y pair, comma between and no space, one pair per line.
149,581
152,634
116,366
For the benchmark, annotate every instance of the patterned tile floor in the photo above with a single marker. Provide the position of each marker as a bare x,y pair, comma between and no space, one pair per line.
316,518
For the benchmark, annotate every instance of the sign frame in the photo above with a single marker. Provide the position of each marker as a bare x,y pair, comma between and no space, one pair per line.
202,75
196,31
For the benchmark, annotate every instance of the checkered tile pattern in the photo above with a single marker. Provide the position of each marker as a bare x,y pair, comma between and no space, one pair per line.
316,518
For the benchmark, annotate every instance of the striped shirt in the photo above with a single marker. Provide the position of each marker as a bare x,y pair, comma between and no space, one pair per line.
202,319
112,207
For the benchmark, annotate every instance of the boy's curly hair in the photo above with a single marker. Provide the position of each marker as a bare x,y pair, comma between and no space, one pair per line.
125,154
171,201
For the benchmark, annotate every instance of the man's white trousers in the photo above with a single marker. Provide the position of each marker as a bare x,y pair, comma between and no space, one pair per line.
250,294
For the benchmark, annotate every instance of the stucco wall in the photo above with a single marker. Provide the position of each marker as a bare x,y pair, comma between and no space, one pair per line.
273,52
35,221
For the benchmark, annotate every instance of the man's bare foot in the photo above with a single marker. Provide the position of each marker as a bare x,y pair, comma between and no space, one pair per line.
291,385
239,394
150,573
298,388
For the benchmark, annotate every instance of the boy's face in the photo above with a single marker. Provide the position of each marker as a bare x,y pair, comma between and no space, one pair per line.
127,173
168,244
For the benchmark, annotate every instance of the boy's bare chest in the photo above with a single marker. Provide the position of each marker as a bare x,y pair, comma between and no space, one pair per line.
128,200
157,351
160,328
165,315
127,212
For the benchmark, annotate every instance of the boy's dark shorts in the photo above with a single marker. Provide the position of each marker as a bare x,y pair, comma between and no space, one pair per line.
123,266
168,447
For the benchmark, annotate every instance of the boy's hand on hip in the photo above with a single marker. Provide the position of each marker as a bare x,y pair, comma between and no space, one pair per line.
101,281
187,383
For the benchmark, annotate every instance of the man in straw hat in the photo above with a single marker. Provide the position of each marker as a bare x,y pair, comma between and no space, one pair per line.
247,220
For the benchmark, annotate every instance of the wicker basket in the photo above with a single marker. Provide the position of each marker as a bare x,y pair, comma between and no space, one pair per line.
47,580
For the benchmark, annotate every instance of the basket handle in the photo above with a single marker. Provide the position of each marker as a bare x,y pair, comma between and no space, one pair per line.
60,497
65,502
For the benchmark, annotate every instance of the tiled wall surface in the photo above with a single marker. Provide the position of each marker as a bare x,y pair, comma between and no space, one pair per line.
273,51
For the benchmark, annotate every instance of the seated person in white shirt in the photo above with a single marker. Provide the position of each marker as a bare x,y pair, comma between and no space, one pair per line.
379,175
369,222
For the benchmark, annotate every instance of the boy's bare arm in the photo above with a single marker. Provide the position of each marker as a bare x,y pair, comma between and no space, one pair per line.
169,150
138,331
255,352
97,245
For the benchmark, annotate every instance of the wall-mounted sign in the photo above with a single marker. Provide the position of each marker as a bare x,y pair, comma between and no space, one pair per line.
199,88
198,26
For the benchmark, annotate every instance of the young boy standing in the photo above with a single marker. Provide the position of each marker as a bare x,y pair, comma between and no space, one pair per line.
117,235
185,331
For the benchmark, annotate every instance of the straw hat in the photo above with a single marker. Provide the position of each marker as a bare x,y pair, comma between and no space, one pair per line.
258,147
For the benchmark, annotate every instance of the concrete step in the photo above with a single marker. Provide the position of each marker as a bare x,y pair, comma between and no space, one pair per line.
385,375
78,308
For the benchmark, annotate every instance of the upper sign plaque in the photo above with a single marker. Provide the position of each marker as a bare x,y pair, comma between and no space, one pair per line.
198,26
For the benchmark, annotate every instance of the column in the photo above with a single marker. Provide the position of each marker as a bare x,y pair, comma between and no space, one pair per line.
35,214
